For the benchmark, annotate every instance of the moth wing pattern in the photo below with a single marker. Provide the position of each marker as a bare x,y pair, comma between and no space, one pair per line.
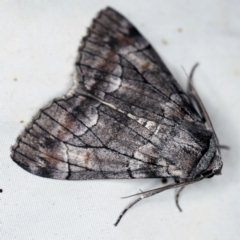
125,117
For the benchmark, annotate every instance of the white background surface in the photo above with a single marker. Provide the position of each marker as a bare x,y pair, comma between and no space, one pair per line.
38,47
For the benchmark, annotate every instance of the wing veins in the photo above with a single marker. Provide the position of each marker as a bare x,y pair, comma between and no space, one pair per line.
159,91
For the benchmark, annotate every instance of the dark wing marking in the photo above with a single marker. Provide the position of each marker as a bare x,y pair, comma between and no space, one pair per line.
125,117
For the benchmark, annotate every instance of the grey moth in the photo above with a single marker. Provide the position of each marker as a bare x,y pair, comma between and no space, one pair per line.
125,117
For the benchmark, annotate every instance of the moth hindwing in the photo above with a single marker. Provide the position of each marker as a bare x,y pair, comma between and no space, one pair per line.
125,117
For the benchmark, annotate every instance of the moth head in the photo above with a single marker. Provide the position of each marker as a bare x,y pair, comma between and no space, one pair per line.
210,164
215,167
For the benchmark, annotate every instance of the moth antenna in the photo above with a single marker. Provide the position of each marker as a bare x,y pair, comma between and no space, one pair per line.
136,194
156,191
177,198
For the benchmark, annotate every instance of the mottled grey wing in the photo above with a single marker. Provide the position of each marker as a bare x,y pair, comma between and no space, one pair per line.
126,116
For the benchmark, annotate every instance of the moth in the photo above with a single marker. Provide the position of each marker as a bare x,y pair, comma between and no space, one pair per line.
124,117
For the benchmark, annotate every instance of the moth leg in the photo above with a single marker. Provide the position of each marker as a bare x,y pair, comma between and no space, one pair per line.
177,193
125,210
156,191
177,197
224,147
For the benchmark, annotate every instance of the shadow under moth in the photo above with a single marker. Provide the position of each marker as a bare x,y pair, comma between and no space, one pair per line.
125,117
